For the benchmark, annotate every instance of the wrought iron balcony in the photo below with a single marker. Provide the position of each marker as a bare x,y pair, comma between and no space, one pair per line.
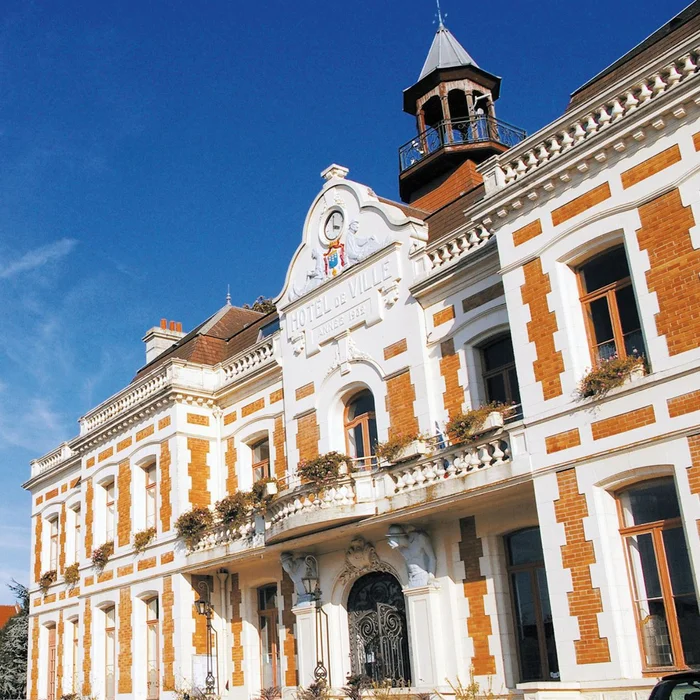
458,132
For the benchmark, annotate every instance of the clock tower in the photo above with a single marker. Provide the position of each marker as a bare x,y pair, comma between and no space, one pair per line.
453,103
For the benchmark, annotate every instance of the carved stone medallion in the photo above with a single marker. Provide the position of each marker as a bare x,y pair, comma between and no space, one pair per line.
360,558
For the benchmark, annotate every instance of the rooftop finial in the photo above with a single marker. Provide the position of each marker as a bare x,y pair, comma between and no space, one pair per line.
440,22
228,295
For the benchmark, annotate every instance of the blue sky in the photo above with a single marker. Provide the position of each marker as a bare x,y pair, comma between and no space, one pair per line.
153,152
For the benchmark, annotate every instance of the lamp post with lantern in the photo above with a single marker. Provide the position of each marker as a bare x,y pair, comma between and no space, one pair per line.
313,591
205,608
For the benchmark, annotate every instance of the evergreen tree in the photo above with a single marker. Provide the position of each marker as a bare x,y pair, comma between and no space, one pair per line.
14,647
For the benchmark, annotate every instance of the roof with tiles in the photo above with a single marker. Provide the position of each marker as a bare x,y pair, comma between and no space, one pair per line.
229,331
6,612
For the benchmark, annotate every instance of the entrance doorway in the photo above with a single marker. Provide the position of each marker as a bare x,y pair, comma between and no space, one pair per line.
378,632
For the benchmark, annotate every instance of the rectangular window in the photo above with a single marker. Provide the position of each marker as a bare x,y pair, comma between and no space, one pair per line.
261,459
665,603
110,654
75,657
77,544
610,308
152,635
53,544
150,473
269,650
109,512
500,378
51,689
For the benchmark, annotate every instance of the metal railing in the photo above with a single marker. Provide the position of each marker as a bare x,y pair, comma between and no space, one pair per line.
453,132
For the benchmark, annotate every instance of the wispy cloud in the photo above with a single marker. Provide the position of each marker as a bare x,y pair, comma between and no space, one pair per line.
38,257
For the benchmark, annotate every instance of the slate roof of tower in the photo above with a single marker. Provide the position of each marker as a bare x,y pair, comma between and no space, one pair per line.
445,52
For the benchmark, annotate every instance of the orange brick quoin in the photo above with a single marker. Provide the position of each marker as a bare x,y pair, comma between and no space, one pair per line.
252,407
541,329
580,204
89,492
34,691
562,441
87,648
478,622
147,564
400,395
51,494
163,422
291,676
651,166
527,233
674,267
167,558
696,141
230,459
105,454
577,555
90,462
694,468
279,443
623,422
197,419
230,418
38,525
308,435
237,678
303,391
482,297
440,317
126,570
168,600
124,633
276,396
685,403
199,472
123,444
124,504
395,349
453,396
166,506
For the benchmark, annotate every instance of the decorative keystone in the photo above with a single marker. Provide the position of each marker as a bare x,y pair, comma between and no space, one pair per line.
334,171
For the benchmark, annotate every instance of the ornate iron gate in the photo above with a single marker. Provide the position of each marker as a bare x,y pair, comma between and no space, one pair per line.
378,638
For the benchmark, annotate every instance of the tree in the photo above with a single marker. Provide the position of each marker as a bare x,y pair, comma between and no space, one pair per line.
14,647
261,304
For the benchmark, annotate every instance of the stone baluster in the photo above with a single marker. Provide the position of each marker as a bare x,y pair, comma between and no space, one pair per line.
579,133
531,161
509,173
542,154
674,76
688,66
474,461
603,118
591,126
497,453
566,141
462,243
520,167
659,85
473,238
554,147
484,233
644,92
484,456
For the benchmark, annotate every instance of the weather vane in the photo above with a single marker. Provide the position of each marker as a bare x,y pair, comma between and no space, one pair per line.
439,13
228,295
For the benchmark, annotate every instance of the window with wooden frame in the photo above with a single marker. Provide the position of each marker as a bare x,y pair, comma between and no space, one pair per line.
661,576
77,544
53,544
269,643
361,428
609,305
534,629
151,495
152,644
51,680
261,459
110,653
109,511
75,644
500,377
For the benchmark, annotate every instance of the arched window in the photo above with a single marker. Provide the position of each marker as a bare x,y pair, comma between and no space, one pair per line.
361,426
152,646
537,651
500,377
269,649
378,630
609,306
261,459
665,603
110,653
51,687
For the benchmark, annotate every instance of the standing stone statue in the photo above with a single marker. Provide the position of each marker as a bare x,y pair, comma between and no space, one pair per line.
417,550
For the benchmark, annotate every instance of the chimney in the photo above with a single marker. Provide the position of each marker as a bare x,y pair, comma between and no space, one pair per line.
159,338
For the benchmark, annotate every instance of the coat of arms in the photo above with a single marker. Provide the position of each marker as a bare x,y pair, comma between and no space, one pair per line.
334,259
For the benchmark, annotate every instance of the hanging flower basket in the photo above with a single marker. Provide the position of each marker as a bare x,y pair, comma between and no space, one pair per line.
101,555
143,538
47,578
192,525
71,574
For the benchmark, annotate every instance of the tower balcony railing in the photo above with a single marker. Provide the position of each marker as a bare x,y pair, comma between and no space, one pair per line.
457,132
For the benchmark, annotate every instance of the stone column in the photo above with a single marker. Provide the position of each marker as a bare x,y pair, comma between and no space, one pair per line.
305,615
425,640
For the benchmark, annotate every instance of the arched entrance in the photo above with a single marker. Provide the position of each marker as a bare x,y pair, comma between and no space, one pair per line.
378,632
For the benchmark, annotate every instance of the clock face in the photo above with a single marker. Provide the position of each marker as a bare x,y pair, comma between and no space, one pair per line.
334,225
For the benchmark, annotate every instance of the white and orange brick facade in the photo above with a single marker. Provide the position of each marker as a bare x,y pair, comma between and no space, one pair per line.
407,322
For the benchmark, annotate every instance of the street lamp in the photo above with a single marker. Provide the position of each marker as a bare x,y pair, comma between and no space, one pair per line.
311,587
205,608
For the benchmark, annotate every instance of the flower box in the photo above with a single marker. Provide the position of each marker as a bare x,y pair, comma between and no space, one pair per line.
271,488
493,421
416,448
